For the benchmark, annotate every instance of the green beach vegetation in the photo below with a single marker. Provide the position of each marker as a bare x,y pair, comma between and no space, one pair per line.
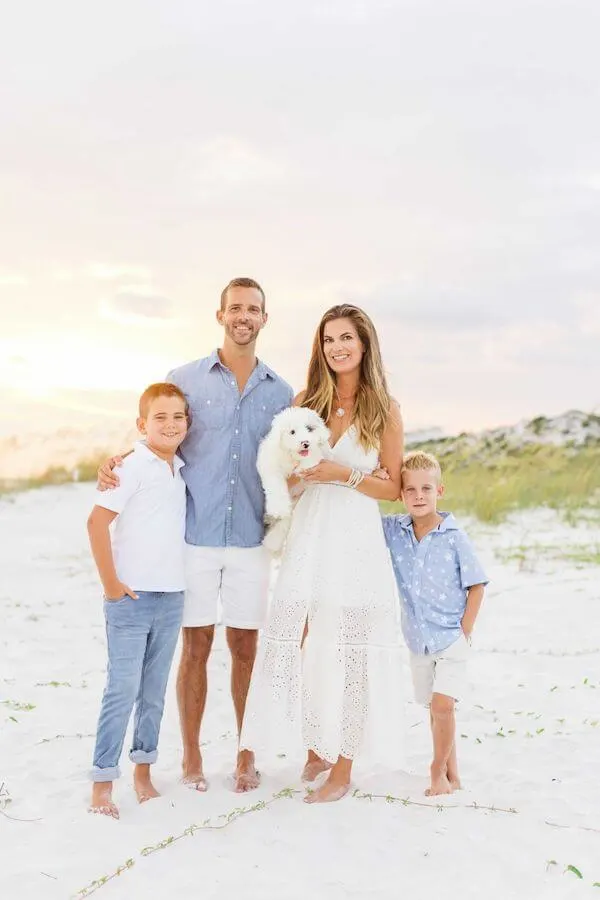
546,462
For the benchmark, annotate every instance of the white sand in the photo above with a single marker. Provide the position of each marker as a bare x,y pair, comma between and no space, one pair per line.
535,678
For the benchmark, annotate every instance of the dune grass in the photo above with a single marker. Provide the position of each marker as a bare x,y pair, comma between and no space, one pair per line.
487,480
490,485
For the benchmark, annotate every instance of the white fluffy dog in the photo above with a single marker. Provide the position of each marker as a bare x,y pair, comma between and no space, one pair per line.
298,440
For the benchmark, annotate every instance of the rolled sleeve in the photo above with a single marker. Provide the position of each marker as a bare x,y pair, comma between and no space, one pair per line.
471,570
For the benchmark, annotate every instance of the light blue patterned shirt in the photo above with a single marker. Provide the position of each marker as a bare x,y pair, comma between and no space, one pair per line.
225,499
433,576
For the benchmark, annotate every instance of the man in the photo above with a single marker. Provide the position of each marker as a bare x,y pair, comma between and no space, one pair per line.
233,397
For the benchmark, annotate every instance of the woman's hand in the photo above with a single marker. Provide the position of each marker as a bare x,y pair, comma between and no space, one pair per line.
381,473
107,478
323,472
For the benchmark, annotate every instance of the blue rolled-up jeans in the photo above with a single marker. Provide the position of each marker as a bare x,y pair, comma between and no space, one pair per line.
141,636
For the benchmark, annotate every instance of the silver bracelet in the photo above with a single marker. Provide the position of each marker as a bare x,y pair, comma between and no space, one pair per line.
355,478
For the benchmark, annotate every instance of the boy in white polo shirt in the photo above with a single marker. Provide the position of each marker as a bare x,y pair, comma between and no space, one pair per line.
141,569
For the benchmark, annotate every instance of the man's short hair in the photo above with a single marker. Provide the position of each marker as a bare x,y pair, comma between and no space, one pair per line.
419,461
161,389
244,283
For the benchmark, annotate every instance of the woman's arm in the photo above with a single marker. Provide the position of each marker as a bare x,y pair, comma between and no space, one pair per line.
390,458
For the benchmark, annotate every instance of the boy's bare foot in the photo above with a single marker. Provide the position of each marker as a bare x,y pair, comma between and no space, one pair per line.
102,802
439,783
142,783
329,792
246,777
314,768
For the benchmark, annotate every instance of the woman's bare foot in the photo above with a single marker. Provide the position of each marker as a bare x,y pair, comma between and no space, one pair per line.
102,802
314,767
142,783
439,783
329,792
247,776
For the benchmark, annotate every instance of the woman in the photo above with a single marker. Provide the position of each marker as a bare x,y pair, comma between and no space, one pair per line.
329,659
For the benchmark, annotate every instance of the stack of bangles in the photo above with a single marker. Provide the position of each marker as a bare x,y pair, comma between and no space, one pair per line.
356,476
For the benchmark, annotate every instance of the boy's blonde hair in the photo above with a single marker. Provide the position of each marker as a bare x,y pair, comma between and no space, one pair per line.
419,461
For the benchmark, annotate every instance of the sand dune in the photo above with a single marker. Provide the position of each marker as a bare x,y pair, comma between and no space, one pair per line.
529,742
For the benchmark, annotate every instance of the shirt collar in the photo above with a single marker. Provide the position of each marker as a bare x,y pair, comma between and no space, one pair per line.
140,447
262,370
448,523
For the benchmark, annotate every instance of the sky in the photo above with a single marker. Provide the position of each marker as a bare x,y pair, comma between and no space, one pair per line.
435,162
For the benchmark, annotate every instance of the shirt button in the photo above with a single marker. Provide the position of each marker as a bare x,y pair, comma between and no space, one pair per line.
235,455
233,481
237,430
233,382
229,508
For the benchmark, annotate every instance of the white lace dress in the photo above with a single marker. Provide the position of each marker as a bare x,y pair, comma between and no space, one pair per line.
341,694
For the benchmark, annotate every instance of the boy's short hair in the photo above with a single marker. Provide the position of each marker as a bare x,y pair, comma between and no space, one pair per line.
161,389
419,461
245,283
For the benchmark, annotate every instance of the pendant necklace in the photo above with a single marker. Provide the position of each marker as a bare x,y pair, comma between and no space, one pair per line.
340,411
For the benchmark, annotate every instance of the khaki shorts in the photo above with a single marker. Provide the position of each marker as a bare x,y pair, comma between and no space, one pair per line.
441,673
226,584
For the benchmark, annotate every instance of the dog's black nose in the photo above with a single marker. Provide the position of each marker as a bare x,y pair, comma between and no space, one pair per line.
305,445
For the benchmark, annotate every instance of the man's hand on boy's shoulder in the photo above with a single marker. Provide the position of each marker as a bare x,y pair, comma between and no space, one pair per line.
107,477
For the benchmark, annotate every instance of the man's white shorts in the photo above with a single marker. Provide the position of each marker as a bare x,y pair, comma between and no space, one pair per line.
441,673
238,577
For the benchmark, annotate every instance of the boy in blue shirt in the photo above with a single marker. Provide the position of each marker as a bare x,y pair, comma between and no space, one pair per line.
441,586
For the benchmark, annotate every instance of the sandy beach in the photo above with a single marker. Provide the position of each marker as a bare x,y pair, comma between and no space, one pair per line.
527,824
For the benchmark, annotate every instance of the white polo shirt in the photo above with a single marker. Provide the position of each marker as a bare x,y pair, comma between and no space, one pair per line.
148,535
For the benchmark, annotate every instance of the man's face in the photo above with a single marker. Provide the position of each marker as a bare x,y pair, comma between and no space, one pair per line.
243,316
420,492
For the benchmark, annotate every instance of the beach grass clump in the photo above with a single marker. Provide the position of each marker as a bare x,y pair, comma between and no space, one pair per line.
490,480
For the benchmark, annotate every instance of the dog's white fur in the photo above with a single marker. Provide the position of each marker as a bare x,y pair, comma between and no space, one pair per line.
298,440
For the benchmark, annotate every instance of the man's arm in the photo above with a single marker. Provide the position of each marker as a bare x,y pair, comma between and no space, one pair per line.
474,601
99,534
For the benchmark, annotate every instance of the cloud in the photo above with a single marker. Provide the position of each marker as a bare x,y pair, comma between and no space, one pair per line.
111,272
138,305
13,279
230,163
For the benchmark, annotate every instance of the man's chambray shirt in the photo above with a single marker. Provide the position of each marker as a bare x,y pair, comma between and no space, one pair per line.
433,576
225,499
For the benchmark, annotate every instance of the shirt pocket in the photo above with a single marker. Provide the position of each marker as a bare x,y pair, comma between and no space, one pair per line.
208,415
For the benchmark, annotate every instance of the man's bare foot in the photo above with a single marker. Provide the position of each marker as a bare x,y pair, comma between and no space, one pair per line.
314,768
439,783
246,777
192,771
329,792
142,783
195,782
102,802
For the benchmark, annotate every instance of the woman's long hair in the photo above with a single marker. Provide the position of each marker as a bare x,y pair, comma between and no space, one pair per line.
371,410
